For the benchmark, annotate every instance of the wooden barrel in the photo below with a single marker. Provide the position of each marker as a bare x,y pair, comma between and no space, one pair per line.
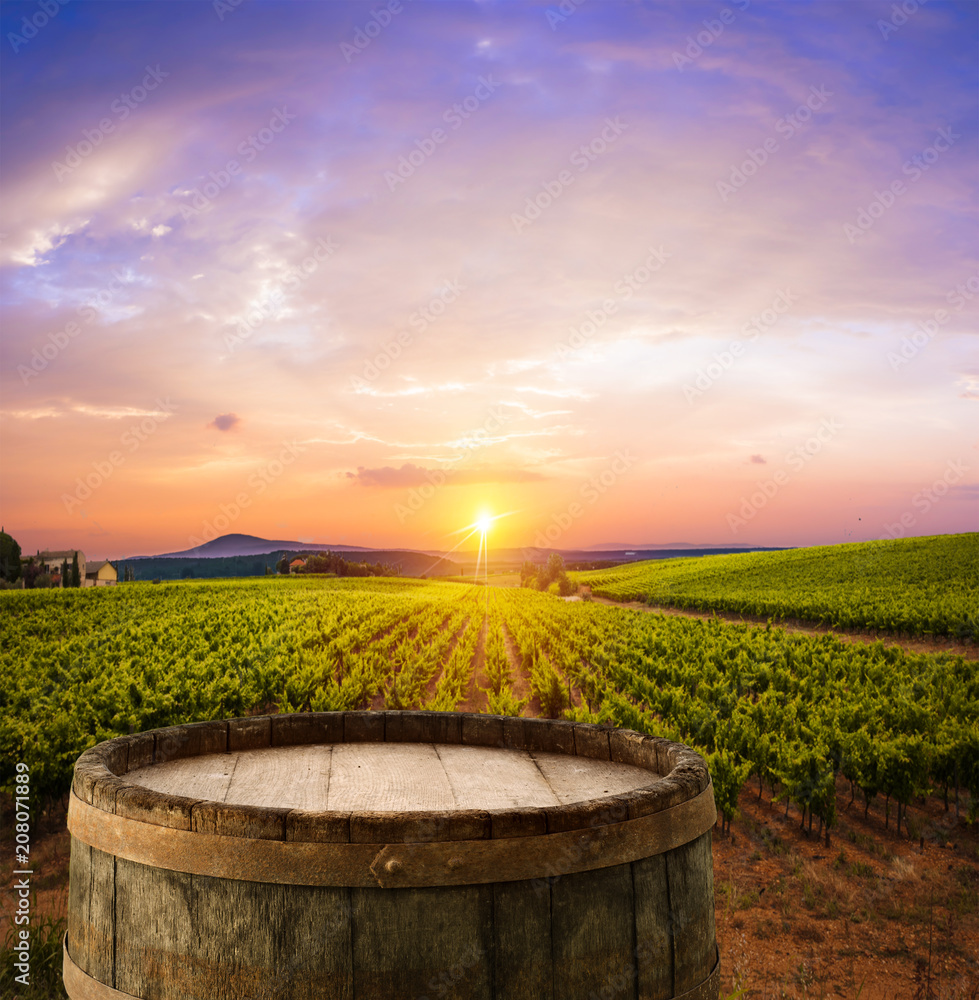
376,855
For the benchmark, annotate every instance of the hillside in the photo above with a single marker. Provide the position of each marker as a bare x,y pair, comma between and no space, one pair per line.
918,586
226,546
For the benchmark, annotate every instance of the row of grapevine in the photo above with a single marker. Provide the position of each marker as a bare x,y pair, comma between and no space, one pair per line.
80,666
788,711
792,711
916,586
500,697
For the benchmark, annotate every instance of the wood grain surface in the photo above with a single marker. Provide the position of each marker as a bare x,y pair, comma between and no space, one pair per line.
391,777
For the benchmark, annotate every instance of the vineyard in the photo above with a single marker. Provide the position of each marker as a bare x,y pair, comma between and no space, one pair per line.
915,586
791,713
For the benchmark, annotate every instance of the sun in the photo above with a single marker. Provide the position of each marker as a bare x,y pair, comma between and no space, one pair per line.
484,523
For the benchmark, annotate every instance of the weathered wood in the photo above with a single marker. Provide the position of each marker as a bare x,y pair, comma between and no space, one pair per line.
393,850
245,822
654,930
691,877
593,937
185,937
423,727
274,941
306,728
625,746
522,922
591,741
509,823
382,776
100,766
442,945
318,827
363,727
377,855
433,828
91,911
249,734
192,740
141,749
205,777
489,778
543,735
136,802
575,779
79,904
154,911
482,730
290,777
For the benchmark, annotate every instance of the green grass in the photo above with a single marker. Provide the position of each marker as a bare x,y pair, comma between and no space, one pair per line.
45,983
916,586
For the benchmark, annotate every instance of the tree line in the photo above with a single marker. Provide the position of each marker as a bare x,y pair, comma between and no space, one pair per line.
333,564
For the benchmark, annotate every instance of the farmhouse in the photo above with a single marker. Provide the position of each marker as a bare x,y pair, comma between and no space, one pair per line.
51,562
296,565
100,573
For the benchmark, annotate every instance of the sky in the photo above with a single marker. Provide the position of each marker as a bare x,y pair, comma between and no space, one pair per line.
361,273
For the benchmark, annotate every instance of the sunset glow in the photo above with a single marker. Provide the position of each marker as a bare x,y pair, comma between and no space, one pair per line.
340,273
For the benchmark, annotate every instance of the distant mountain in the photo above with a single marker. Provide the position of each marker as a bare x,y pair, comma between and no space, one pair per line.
248,555
413,562
250,545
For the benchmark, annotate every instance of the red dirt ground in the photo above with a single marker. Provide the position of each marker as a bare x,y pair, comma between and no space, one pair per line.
872,916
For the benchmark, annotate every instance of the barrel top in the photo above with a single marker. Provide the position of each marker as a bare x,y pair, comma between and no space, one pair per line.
380,777
392,777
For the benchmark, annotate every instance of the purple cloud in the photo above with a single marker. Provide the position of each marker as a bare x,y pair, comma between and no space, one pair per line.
225,421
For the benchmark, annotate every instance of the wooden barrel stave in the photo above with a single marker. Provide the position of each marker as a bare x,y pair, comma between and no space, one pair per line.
592,932
691,887
641,930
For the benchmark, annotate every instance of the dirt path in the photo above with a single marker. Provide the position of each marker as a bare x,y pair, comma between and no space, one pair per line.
433,682
968,650
520,685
